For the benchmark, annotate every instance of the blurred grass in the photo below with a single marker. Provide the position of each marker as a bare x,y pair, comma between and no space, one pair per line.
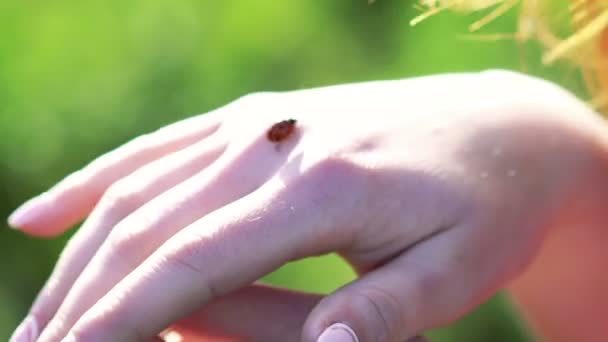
78,78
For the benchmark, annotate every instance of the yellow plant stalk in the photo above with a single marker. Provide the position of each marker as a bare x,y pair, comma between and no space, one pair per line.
586,46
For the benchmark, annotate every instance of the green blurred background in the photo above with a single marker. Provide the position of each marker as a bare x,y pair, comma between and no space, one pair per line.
80,77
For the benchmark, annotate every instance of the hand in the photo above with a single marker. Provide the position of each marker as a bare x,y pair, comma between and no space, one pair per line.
437,190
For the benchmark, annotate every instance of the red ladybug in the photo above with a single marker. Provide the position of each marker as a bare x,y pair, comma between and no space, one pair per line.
281,130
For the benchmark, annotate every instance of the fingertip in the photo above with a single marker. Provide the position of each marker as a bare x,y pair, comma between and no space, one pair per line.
47,215
27,214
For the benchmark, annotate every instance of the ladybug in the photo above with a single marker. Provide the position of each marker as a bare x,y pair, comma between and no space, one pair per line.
281,130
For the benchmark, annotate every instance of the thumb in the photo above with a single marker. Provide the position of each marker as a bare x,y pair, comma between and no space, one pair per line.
416,291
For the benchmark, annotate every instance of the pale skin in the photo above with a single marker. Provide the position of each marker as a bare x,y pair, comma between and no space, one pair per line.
437,190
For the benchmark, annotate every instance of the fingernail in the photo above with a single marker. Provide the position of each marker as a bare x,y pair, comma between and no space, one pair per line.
27,331
338,332
27,212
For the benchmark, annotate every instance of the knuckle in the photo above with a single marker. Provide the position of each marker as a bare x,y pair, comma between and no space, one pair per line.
76,179
120,200
322,186
191,254
332,176
48,299
101,163
96,326
85,333
425,285
333,169
427,291
387,311
187,255
56,326
123,245
110,319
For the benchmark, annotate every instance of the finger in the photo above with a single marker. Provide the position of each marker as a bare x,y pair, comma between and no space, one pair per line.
74,197
225,250
423,288
254,313
136,237
123,198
